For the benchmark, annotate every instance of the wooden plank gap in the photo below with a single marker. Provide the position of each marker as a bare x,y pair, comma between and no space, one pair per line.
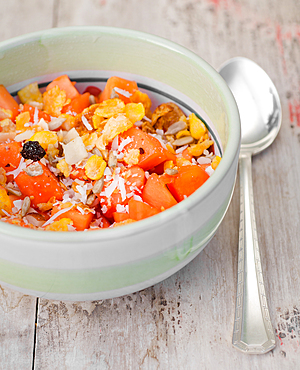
35,331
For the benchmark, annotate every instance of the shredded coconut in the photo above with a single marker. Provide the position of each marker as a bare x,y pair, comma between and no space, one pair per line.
125,93
104,208
36,116
181,149
137,197
20,168
159,138
67,181
115,143
124,143
80,210
86,123
121,187
110,189
120,208
6,213
147,119
51,219
82,191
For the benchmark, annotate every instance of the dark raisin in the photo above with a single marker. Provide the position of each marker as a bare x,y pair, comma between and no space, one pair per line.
142,151
33,150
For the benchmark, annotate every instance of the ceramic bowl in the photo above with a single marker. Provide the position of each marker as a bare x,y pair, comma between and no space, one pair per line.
112,262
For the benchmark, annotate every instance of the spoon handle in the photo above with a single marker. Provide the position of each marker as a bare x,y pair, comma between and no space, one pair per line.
253,332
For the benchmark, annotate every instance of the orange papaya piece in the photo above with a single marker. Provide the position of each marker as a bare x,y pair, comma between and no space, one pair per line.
10,156
188,180
32,111
152,153
7,102
156,193
123,88
140,210
78,104
81,221
64,83
40,188
120,216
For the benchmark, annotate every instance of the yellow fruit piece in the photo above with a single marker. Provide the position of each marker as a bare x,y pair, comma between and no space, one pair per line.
170,148
132,156
182,133
7,125
65,205
134,111
44,207
197,127
109,108
98,122
215,162
198,149
140,97
89,140
69,121
52,151
125,222
60,225
30,93
113,127
168,164
203,138
45,138
5,203
3,177
64,167
5,113
21,120
94,167
54,100
180,161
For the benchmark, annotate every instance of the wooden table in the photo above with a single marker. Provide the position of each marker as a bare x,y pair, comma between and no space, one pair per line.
186,321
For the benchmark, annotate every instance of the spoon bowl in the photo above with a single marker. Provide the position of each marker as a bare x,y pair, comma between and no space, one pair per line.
260,112
257,100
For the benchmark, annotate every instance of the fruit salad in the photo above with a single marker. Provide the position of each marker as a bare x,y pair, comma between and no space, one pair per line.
81,161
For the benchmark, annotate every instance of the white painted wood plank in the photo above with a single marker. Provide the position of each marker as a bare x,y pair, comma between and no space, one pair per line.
17,327
186,321
20,17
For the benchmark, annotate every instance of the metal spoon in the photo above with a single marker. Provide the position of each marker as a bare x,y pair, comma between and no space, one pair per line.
260,112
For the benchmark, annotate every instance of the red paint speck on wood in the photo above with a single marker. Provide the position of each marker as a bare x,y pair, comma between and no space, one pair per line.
281,343
294,109
218,2
280,45
298,33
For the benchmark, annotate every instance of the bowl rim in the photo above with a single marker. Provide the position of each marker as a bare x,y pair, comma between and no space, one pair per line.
229,155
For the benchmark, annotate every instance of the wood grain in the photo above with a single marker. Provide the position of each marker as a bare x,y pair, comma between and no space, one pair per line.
17,329
186,321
